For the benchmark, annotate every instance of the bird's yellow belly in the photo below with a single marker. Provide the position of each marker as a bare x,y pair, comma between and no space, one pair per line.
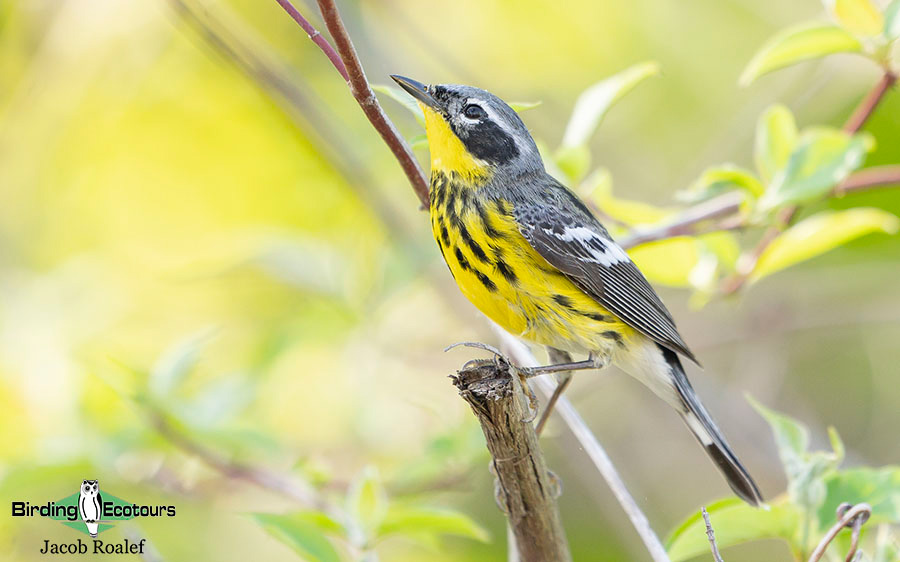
506,279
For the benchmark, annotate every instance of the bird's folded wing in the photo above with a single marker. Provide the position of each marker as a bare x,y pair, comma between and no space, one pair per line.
581,248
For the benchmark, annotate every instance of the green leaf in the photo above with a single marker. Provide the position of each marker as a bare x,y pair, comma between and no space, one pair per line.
297,531
857,16
880,488
177,361
776,137
595,101
668,262
806,472
734,522
719,179
367,501
416,521
403,99
573,161
597,189
837,445
520,106
791,437
822,158
820,233
799,43
892,21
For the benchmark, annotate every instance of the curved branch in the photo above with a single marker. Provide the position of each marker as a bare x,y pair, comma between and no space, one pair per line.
878,176
848,516
870,102
316,37
359,87
862,112
347,63
685,224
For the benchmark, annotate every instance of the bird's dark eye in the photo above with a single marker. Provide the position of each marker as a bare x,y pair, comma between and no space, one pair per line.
473,111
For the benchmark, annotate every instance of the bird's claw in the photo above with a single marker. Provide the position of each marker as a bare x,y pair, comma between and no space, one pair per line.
498,359
476,345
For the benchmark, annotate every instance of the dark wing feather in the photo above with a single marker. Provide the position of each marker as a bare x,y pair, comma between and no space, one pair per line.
574,242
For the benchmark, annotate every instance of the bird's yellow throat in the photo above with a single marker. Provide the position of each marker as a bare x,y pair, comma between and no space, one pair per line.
448,153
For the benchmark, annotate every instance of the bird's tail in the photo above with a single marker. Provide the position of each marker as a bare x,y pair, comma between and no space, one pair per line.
705,430
660,369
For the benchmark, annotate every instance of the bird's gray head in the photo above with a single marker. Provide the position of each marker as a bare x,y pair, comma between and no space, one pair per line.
89,487
473,132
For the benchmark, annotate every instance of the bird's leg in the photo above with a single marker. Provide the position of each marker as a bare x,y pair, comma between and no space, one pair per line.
562,382
562,364
592,362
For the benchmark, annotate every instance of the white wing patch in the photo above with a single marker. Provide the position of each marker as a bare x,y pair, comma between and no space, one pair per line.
600,250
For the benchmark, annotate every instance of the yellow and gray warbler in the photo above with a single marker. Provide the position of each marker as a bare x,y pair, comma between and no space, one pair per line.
533,258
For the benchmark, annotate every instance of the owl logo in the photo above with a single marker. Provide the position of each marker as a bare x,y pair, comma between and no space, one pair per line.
89,505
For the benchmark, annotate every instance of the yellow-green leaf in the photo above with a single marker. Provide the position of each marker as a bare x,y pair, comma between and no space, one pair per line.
574,161
594,102
776,137
799,43
302,535
822,158
879,487
367,501
735,522
597,189
719,179
858,16
791,437
520,106
892,21
415,521
820,233
667,262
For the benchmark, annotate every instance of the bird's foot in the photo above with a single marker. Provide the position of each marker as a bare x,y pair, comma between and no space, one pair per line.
500,360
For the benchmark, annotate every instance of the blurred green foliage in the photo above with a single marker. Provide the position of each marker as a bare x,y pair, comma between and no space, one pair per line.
816,487
155,192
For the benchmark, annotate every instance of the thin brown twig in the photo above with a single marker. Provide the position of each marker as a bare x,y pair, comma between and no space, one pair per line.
857,119
878,176
352,72
853,517
238,45
316,38
865,109
258,476
711,536
365,97
725,205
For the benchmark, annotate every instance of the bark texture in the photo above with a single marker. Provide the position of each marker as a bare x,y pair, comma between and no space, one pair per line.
525,490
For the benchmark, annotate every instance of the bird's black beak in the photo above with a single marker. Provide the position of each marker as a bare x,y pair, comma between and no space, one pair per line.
416,90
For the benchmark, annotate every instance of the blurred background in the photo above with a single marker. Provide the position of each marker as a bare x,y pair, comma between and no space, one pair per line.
197,220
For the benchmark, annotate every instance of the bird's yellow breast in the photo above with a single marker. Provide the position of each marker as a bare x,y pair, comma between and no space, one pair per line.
505,278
